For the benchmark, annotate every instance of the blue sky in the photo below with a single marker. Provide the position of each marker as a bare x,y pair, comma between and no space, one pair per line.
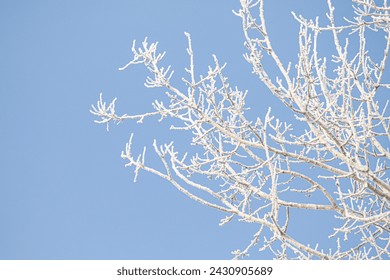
64,190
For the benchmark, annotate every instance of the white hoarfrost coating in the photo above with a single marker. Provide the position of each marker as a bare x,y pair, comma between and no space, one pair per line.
336,160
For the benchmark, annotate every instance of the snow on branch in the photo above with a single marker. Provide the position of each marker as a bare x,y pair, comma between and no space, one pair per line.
334,157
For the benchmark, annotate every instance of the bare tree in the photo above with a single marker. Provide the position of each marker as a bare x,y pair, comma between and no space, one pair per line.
332,158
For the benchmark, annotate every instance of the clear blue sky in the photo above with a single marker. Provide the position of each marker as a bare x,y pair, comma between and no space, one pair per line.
64,190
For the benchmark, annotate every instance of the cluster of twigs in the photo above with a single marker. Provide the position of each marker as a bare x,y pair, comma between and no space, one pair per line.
335,160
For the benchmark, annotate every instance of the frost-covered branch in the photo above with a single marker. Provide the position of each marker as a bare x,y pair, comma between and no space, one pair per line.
333,157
